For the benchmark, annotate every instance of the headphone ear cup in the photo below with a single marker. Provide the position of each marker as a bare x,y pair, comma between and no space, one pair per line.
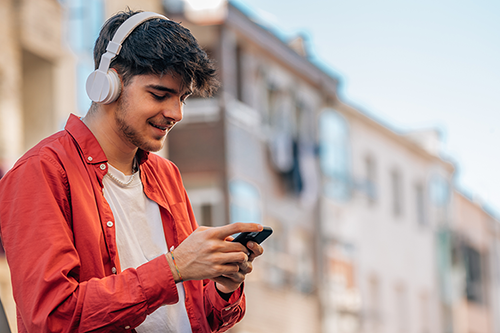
103,87
115,86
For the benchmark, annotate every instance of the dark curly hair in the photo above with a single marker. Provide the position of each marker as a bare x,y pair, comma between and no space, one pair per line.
158,46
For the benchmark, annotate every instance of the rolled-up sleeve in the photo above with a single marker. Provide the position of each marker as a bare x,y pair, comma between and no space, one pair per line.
222,314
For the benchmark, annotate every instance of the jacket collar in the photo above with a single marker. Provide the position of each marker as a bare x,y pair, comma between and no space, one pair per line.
89,145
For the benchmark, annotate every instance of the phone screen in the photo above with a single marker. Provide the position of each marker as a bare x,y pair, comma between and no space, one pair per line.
257,237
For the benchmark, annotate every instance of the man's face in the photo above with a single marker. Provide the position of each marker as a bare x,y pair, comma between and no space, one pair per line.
148,108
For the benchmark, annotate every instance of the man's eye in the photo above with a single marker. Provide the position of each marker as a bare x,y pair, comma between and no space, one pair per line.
183,99
159,97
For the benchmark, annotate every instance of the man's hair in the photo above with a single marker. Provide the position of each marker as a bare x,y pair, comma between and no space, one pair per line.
159,47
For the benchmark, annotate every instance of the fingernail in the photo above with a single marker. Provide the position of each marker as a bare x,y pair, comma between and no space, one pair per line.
250,245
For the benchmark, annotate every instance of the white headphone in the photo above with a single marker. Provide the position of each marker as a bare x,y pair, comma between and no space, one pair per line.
103,85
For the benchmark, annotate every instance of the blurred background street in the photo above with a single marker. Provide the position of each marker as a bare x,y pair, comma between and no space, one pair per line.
362,133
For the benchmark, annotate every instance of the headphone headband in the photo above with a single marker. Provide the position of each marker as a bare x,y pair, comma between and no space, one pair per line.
126,28
103,86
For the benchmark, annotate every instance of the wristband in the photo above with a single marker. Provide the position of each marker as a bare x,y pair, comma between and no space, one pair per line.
176,268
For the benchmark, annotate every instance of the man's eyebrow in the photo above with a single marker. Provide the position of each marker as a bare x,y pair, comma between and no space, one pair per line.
166,89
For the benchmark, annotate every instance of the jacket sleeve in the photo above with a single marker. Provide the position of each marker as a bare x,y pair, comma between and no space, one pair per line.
36,228
221,314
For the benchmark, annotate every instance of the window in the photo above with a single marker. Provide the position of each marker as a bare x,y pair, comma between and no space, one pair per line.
284,140
206,214
420,204
439,191
239,72
245,202
473,274
370,182
397,193
301,257
272,95
335,154
207,204
276,262
281,134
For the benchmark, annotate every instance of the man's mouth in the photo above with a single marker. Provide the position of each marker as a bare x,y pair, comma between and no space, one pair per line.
163,128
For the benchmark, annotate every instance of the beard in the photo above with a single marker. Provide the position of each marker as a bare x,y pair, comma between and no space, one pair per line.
130,133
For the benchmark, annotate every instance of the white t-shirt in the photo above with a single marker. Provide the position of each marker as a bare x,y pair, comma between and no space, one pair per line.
140,238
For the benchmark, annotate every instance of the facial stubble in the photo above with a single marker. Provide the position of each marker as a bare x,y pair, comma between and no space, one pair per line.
130,134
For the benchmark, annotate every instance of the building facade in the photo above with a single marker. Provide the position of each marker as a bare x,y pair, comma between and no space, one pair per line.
249,154
381,209
358,208
469,243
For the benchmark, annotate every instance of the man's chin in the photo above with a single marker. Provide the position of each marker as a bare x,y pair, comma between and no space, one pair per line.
153,148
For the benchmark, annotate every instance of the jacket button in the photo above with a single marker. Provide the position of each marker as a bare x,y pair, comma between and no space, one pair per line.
90,158
127,327
102,166
109,224
113,270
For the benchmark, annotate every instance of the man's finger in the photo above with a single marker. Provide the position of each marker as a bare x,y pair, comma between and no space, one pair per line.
245,267
226,284
233,257
256,250
234,228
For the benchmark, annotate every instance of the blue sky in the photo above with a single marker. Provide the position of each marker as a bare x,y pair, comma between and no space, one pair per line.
412,65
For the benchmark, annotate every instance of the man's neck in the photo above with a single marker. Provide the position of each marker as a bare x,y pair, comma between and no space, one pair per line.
119,154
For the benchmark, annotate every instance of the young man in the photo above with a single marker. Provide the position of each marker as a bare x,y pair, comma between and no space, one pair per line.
99,234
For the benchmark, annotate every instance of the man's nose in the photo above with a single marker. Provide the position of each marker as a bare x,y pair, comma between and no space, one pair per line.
174,110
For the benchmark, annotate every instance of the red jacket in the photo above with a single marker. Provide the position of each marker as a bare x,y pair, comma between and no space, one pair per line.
61,248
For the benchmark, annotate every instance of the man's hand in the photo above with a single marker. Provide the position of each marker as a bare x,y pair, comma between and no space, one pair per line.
208,253
228,283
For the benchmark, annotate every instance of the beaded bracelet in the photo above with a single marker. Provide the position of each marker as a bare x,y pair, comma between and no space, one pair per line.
176,268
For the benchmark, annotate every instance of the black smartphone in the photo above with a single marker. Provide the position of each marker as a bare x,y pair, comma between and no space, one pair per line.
256,236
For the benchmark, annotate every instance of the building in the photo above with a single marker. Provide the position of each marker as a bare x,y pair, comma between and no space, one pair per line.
250,154
381,208
469,273
358,207
36,75
355,205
